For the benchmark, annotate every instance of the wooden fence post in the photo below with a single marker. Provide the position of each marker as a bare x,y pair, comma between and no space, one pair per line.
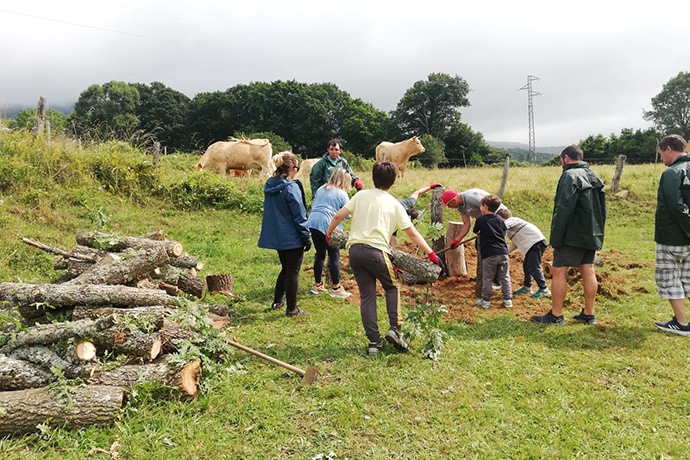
504,178
618,172
156,153
40,119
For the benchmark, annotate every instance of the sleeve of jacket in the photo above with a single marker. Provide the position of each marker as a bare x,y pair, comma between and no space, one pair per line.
297,210
315,177
563,209
350,172
673,196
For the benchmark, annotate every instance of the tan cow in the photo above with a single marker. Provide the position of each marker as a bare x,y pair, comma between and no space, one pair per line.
242,154
305,169
399,153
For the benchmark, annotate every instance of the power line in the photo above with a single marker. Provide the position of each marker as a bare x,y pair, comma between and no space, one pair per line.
85,26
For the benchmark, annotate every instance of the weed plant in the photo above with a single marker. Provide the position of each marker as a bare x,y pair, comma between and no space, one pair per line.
503,387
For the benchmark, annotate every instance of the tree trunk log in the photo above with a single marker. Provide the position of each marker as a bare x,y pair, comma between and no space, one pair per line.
186,262
66,295
156,236
112,269
171,332
86,406
46,358
455,258
77,267
338,239
154,311
186,378
55,332
424,270
16,374
34,312
220,283
133,344
192,285
59,263
117,244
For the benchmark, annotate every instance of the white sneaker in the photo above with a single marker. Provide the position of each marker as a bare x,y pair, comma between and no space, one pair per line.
340,293
508,303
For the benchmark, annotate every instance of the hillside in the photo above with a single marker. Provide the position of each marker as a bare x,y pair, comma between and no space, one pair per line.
502,387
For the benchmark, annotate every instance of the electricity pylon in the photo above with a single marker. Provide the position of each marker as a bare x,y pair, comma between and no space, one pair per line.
531,155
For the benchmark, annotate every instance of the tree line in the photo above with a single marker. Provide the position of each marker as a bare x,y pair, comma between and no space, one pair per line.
302,117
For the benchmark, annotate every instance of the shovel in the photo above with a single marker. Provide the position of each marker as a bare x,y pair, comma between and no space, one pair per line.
459,244
308,376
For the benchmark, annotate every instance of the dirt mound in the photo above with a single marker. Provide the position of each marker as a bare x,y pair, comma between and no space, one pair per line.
457,293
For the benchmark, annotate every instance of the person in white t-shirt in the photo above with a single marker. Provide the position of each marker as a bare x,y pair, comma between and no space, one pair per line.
531,242
376,214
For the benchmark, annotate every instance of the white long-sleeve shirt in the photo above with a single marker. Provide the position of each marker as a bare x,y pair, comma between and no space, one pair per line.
522,234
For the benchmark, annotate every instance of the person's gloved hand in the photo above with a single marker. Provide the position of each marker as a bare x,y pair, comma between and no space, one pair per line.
435,185
358,184
328,239
455,244
307,246
432,257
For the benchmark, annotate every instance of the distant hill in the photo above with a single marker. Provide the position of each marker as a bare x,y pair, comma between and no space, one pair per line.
11,111
520,151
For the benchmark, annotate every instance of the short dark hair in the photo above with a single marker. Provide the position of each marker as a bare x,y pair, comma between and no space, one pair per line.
676,142
413,213
574,153
384,175
492,202
335,142
505,213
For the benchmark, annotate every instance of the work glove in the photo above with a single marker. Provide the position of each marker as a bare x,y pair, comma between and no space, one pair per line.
435,185
328,239
455,244
307,246
432,257
358,184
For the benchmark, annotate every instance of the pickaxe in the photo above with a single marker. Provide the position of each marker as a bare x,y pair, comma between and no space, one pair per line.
308,376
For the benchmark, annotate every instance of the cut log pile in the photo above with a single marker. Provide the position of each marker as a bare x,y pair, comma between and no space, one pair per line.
124,326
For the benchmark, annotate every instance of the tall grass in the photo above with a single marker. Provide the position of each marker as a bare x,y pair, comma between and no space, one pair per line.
503,387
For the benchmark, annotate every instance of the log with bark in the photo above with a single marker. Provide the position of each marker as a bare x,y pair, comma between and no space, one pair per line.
423,270
135,345
186,262
45,334
223,284
117,244
65,295
155,311
48,359
180,277
455,258
72,408
76,267
17,374
34,312
184,377
113,269
171,333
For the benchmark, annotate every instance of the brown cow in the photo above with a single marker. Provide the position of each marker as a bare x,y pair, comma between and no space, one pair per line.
399,153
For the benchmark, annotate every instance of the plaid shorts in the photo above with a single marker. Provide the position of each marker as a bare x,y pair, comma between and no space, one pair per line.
672,272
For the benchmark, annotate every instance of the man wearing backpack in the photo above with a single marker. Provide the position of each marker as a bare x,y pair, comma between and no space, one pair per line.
672,232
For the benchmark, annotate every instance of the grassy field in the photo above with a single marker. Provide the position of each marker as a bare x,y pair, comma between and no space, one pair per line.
503,387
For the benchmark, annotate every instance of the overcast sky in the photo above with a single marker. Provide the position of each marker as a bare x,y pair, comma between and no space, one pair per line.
599,63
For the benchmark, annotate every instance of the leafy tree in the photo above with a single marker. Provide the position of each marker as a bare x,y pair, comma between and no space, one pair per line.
162,113
671,107
595,147
496,155
465,147
432,106
433,155
25,119
362,127
107,111
638,146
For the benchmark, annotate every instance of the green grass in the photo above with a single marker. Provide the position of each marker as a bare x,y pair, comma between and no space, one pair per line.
503,387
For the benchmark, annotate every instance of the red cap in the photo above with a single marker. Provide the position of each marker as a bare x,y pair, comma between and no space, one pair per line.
448,195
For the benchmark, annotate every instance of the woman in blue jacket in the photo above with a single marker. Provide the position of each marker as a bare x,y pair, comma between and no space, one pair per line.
284,228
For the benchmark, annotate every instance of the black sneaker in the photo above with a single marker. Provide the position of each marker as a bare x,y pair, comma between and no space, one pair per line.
549,318
395,338
295,312
589,320
673,326
376,347
277,305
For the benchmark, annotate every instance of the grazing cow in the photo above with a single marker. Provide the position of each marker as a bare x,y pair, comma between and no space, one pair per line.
305,169
240,172
242,154
399,153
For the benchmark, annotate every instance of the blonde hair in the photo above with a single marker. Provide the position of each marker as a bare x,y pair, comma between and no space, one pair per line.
283,162
340,179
